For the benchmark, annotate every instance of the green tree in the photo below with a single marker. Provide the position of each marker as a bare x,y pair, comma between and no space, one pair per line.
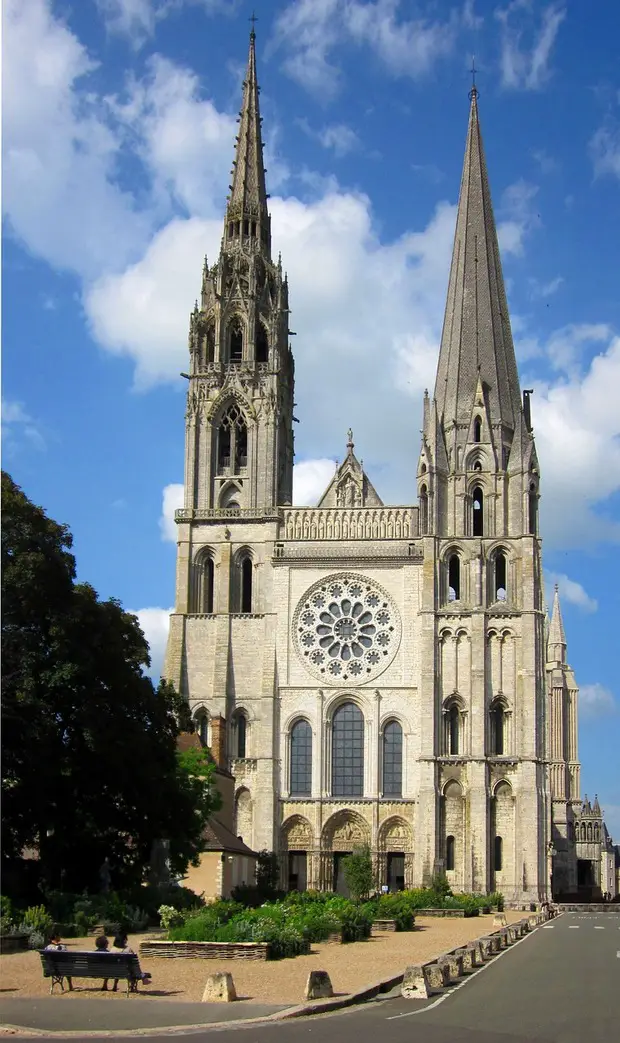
90,767
359,874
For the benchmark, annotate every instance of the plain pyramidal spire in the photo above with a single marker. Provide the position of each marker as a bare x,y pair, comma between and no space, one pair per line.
476,342
248,196
556,638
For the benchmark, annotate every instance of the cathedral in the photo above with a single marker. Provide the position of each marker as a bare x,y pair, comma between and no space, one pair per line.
374,675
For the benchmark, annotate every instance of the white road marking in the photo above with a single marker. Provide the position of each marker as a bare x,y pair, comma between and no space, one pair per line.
548,927
598,928
573,926
470,977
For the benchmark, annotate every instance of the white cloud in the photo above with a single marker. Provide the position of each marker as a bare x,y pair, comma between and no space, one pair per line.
172,500
338,137
570,591
596,701
546,289
605,149
60,154
18,426
518,217
310,480
137,19
155,623
309,30
525,65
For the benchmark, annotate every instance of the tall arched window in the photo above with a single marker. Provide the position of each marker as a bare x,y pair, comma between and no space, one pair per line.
203,574
348,752
477,429
245,604
449,853
423,509
533,510
454,578
232,441
498,854
498,721
477,512
236,341
201,721
454,727
241,735
262,344
210,343
392,760
499,576
301,760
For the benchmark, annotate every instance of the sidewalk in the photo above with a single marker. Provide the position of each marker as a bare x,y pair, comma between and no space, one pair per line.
54,1014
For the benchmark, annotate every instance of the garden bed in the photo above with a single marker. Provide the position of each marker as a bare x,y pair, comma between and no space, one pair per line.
378,926
440,912
13,943
207,950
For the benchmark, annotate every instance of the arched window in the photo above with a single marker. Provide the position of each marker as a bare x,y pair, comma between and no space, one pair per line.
454,578
498,723
454,727
203,574
499,576
262,344
392,760
498,854
533,510
477,429
210,343
348,752
423,509
477,512
236,342
449,853
241,735
246,584
232,442
301,760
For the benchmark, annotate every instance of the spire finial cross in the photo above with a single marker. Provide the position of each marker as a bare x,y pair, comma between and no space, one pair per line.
474,90
253,20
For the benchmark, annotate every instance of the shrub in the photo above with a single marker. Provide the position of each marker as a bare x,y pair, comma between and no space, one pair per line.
170,917
82,923
6,914
440,885
37,919
497,899
36,940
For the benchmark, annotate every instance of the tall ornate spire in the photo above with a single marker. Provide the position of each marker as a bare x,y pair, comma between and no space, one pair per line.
476,343
247,202
556,639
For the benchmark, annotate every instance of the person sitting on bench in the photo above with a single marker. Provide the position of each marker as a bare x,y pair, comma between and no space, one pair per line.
121,944
102,945
56,945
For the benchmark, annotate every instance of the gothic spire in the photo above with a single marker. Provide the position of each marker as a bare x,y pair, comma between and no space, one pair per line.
556,639
476,341
248,197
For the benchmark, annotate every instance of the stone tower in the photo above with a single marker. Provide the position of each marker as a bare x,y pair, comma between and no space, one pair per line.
484,620
238,468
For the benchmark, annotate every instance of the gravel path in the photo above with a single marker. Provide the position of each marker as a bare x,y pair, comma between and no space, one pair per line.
281,981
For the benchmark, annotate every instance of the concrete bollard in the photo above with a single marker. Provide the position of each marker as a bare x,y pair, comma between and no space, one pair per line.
467,958
477,957
499,920
454,964
504,938
437,976
318,986
219,988
513,934
486,947
533,922
415,985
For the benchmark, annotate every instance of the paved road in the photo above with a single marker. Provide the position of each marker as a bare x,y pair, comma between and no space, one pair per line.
559,985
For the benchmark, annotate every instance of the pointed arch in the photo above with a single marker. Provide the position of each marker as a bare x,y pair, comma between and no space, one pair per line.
424,508
244,581
300,758
230,495
209,342
232,440
262,343
203,582
347,735
477,507
240,734
202,725
499,575
477,429
244,816
236,337
532,510
392,759
454,577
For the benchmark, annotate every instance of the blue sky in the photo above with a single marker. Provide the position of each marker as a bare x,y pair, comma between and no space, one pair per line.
119,119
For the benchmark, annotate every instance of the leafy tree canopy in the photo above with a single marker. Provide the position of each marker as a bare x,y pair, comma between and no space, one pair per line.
90,767
359,874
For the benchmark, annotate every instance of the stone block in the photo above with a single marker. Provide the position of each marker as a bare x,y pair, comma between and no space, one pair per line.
437,976
504,938
219,988
318,986
467,958
454,964
532,921
476,953
499,920
415,985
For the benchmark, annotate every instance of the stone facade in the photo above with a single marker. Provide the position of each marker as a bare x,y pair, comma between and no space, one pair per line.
372,674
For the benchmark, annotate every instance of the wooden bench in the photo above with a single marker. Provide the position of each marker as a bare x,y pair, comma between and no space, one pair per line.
59,965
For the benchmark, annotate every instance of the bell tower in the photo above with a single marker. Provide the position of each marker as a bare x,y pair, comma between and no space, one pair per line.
239,437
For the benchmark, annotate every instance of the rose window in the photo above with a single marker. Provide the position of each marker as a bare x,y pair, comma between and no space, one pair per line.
347,629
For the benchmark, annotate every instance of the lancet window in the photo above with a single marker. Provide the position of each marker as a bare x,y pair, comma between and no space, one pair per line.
232,443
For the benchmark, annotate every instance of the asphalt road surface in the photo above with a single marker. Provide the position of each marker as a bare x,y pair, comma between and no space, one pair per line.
558,985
